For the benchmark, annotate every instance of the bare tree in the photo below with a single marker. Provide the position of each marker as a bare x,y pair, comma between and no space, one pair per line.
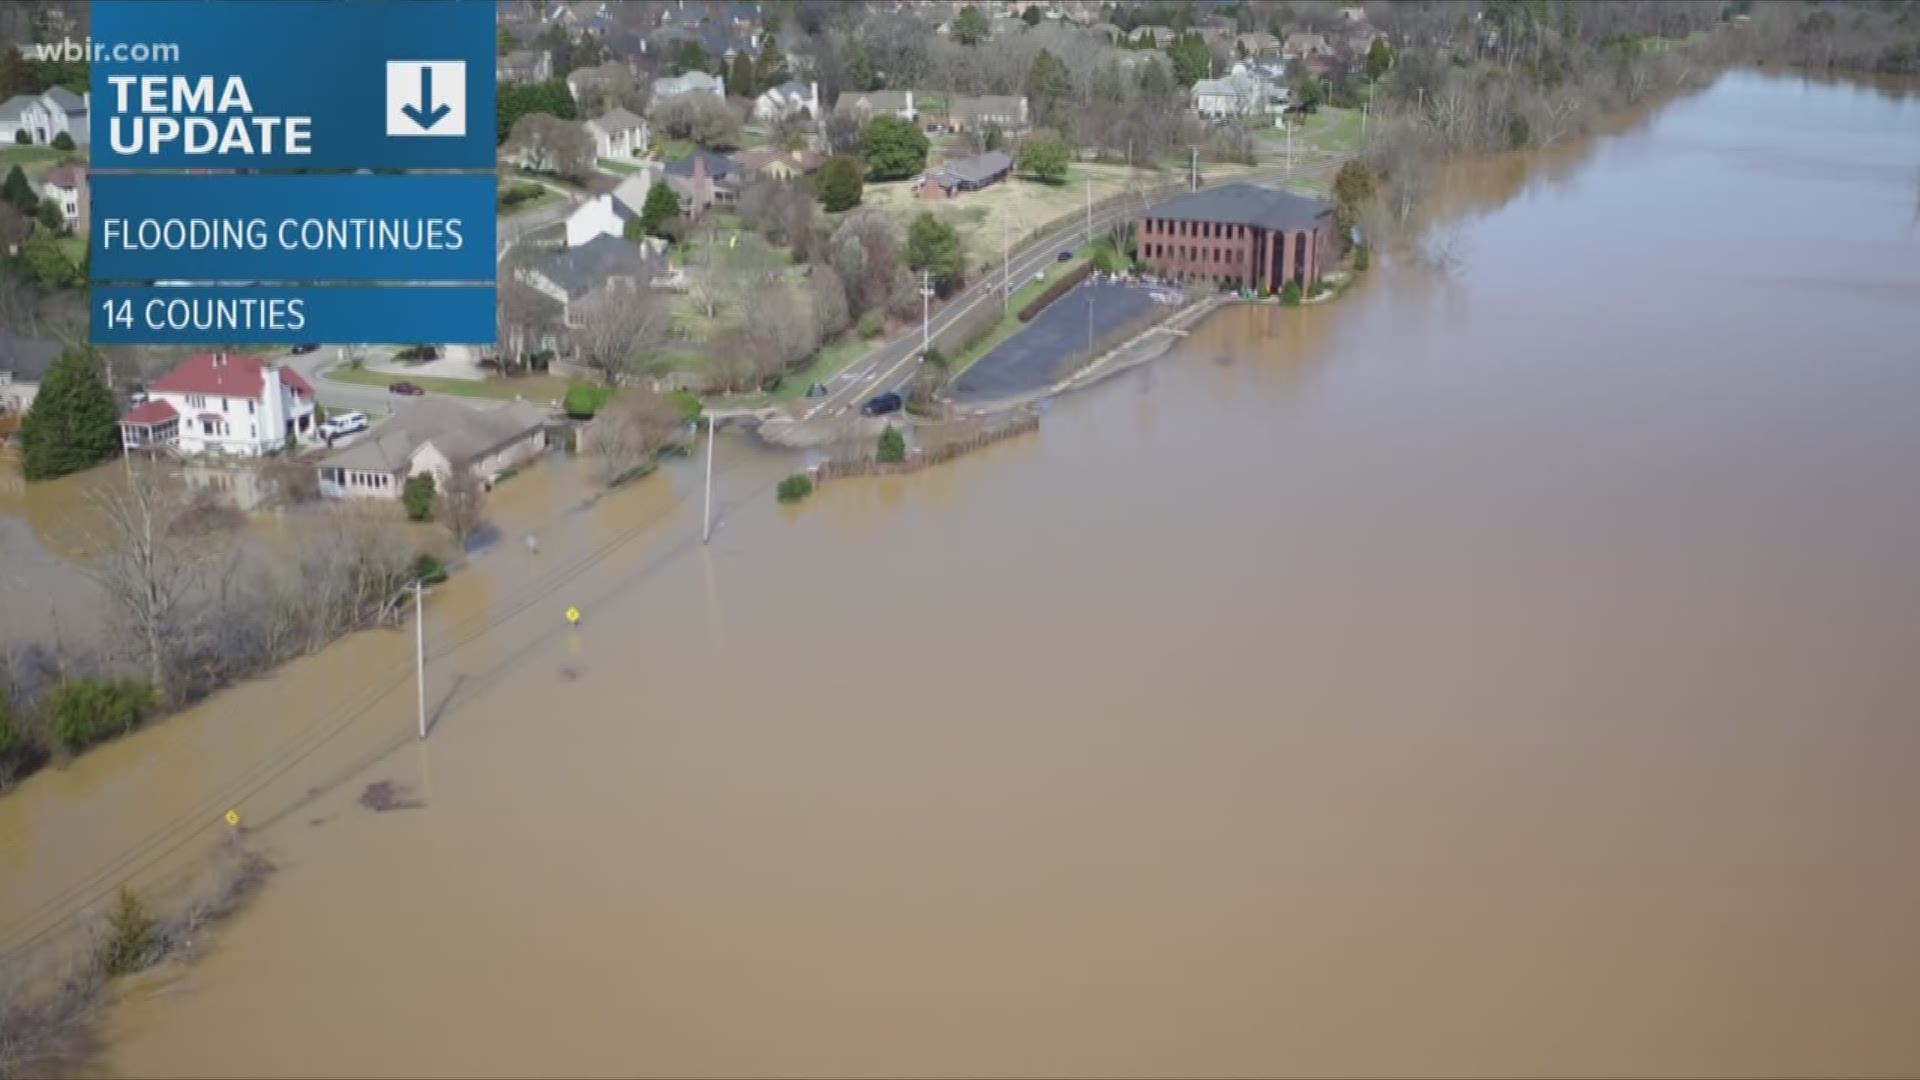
462,502
631,430
703,118
522,317
150,556
543,143
615,329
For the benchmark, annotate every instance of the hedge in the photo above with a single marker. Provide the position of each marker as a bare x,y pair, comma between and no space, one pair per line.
1056,290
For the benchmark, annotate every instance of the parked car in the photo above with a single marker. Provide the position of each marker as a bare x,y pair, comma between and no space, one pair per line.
406,388
302,350
345,423
1065,256
881,404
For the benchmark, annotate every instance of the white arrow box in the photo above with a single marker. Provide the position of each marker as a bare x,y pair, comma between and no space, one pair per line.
427,97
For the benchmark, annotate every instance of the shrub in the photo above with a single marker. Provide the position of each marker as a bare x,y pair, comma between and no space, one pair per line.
63,141
839,183
936,357
687,402
417,497
1362,257
82,712
585,399
429,569
132,941
1291,294
1055,291
23,137
893,445
871,324
794,488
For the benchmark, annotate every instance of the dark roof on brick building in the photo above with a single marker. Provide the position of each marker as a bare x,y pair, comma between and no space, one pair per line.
1245,204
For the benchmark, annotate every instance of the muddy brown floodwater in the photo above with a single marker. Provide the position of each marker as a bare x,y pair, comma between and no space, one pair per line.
1510,671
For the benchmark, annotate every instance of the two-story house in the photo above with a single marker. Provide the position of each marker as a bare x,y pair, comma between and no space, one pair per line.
790,97
65,186
222,403
618,134
45,116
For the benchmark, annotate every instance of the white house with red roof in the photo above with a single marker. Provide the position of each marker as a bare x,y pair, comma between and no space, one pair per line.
222,403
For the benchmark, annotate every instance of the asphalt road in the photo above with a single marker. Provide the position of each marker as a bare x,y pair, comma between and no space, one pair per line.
1032,359
891,366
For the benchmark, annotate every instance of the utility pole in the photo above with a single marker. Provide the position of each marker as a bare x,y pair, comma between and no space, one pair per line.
926,307
1089,324
706,517
1289,150
420,653
1006,268
1193,169
1089,209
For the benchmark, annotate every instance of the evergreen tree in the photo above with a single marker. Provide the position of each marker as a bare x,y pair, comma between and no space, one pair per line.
840,185
17,191
1379,58
71,425
1049,85
894,147
1190,58
970,26
771,71
934,246
662,203
1032,15
741,81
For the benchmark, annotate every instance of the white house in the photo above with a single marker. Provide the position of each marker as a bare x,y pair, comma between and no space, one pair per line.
618,134
862,105
1240,93
430,436
691,82
524,66
222,403
606,214
45,116
66,187
787,99
23,363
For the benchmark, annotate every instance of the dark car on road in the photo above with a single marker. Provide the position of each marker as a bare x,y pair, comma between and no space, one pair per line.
1065,256
881,404
302,350
406,388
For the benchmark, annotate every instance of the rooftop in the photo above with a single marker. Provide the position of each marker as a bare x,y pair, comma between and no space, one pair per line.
25,358
977,168
459,431
1245,204
617,119
583,269
224,375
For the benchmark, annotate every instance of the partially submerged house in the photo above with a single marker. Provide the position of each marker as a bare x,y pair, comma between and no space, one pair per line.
435,435
23,363
222,403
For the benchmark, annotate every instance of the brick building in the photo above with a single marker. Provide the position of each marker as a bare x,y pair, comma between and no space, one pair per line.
1239,236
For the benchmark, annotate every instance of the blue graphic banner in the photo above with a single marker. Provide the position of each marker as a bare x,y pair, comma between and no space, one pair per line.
291,314
292,228
292,84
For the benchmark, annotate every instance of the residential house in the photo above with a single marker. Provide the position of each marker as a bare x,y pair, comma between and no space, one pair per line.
722,41
524,66
23,363
45,116
766,163
572,276
435,435
1239,236
65,186
790,97
618,134
863,105
1111,33
222,403
1158,36
969,174
1301,44
703,179
607,214
693,82
1242,92
1005,25
1354,13
968,113
1257,45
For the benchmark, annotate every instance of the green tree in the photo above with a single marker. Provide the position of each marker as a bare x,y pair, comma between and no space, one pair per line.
691,57
18,191
417,496
661,204
772,68
992,137
132,940
970,26
1309,92
839,185
1190,58
50,216
894,147
1049,85
740,80
1353,188
71,425
893,445
934,246
1032,15
503,42
1379,57
633,230
47,264
82,712
63,141
515,100
1044,157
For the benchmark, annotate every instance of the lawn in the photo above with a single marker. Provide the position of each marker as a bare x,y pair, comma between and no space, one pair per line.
74,246
617,165
542,195
1010,323
823,366
34,161
531,387
1331,130
673,149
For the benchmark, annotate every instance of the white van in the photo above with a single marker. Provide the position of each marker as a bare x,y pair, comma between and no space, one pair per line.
345,423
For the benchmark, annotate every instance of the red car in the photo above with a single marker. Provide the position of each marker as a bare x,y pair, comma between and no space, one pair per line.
406,388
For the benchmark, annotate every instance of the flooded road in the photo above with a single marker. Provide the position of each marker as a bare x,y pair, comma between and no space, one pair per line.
1502,672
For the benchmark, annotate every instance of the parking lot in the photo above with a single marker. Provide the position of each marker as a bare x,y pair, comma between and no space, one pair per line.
1044,350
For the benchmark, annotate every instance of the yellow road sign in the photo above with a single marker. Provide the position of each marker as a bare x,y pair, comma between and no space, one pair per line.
233,818
573,616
